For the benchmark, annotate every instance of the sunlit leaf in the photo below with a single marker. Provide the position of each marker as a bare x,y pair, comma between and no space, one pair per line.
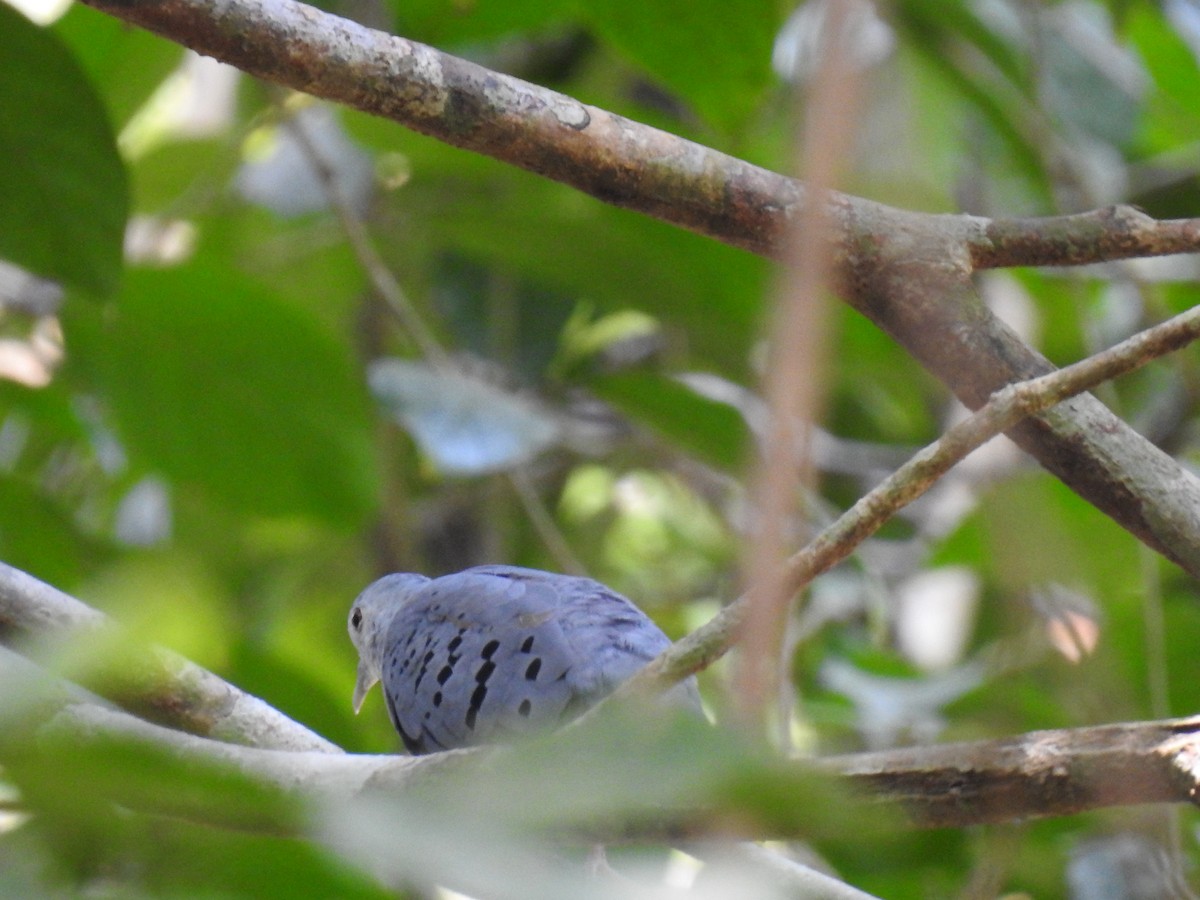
1173,106
935,30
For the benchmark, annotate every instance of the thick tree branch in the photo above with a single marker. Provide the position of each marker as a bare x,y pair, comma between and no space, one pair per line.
919,290
612,158
1041,774
463,104
909,273
1007,407
286,790
151,681
951,785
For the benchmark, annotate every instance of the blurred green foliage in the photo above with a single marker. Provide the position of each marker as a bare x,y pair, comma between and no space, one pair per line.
208,465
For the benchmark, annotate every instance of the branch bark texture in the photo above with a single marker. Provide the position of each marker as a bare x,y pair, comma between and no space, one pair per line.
909,273
1049,773
154,682
1041,774
1005,409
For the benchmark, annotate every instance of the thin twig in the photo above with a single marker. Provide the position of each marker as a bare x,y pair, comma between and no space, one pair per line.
385,283
1007,407
907,272
388,287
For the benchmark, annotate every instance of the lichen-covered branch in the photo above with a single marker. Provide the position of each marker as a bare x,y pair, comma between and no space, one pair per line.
466,105
612,158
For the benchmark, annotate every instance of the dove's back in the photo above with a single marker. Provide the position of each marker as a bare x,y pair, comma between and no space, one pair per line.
490,653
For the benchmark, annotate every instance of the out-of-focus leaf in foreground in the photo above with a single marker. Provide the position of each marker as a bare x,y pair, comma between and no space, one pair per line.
621,774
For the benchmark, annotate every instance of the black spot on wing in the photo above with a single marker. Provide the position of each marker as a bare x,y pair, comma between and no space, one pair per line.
425,661
412,743
477,697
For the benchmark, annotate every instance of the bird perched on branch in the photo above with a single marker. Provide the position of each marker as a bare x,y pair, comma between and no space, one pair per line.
488,654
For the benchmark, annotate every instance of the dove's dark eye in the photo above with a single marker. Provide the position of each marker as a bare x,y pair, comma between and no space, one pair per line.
356,619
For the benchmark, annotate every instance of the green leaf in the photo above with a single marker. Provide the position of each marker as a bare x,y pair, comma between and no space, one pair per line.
884,395
298,692
717,59
1041,532
1172,113
126,64
39,537
163,175
69,784
937,31
186,860
216,382
551,235
945,20
63,191
144,776
444,23
714,432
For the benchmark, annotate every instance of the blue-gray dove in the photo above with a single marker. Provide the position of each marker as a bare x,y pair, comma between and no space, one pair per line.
491,653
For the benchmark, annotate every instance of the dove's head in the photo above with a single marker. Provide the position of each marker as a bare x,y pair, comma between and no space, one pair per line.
370,617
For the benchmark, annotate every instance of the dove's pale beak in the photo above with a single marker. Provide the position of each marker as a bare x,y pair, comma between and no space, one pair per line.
362,685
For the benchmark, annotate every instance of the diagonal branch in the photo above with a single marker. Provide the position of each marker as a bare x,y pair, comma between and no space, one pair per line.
914,478
612,158
908,272
153,681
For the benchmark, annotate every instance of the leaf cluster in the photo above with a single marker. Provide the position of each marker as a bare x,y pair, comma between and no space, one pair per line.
212,463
